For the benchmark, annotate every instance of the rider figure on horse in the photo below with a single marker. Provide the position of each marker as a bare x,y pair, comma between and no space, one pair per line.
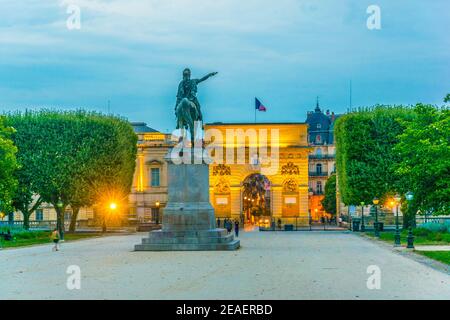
188,89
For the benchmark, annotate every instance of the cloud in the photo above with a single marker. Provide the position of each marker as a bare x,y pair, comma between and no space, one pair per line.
132,52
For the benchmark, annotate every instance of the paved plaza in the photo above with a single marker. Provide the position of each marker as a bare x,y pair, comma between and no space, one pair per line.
270,265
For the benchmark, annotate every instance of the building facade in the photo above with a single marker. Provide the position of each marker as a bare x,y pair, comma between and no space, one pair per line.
285,177
322,160
286,185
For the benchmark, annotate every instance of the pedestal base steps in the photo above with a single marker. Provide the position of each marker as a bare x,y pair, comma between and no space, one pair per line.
214,240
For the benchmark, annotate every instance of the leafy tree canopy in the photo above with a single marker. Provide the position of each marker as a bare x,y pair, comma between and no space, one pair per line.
329,201
73,157
8,165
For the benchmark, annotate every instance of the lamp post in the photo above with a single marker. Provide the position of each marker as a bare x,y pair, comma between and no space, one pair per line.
59,223
112,207
157,211
363,227
397,243
311,194
410,238
375,202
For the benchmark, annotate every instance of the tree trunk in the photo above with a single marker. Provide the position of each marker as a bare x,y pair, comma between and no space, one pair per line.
60,220
26,220
73,219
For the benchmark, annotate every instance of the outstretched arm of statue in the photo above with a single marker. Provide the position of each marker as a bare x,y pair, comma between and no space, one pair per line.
207,76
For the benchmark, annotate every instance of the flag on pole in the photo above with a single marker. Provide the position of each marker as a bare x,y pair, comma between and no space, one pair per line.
259,106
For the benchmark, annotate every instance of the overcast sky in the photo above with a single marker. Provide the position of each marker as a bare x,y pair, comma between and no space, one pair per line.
285,52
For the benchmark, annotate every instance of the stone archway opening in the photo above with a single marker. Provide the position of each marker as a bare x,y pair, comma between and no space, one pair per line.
256,200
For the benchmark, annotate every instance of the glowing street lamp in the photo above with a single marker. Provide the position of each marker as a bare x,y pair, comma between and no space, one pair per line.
112,207
397,243
375,202
157,204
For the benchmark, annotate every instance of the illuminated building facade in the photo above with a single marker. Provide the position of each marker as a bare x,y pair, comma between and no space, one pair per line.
285,178
322,160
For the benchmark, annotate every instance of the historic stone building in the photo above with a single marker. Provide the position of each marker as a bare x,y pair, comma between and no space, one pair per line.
149,189
285,176
322,160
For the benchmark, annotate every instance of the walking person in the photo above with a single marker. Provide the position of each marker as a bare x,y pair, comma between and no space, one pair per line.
218,222
236,228
229,226
55,238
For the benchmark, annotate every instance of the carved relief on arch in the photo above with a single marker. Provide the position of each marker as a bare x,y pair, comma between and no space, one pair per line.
290,186
222,186
222,170
290,169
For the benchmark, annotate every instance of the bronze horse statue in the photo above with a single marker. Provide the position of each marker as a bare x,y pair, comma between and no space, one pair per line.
187,114
187,107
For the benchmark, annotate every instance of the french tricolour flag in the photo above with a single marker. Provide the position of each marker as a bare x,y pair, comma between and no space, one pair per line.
259,106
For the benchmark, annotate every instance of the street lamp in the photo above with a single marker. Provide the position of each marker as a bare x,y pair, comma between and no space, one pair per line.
409,196
410,238
112,207
60,204
363,227
375,202
157,211
397,243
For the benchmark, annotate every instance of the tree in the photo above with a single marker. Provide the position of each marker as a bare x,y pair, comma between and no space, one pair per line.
74,157
8,166
447,98
329,200
108,168
424,166
364,152
24,199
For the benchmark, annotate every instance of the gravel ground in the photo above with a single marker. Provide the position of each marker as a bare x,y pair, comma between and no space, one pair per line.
269,265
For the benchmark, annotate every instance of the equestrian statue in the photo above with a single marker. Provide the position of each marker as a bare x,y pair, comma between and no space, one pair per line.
187,107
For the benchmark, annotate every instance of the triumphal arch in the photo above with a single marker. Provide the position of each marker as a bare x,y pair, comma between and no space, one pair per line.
259,170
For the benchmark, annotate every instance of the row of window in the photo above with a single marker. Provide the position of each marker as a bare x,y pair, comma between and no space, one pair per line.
319,168
39,215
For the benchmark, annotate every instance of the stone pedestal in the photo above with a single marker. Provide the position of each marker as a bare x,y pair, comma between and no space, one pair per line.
188,219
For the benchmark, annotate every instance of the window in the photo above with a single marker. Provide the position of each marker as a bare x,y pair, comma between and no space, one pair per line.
39,214
319,126
319,187
319,168
67,215
155,180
